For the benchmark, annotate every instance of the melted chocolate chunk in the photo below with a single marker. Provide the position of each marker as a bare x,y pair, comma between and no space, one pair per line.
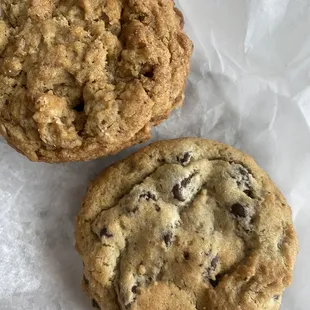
95,304
168,238
185,159
134,289
104,233
148,196
238,210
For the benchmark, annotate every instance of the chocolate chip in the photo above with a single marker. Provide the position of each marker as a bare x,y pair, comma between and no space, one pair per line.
149,74
213,265
186,181
147,196
185,159
80,106
186,255
85,280
157,208
142,17
214,262
243,171
147,70
215,282
238,210
134,289
276,297
177,189
177,192
249,193
104,233
168,238
242,177
134,210
105,18
95,304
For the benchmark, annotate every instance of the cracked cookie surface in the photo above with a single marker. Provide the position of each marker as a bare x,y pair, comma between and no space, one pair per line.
186,224
82,79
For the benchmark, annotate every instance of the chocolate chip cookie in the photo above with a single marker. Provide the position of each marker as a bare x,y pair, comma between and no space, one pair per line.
87,78
186,224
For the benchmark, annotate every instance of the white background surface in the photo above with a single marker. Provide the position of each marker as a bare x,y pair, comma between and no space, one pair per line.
249,87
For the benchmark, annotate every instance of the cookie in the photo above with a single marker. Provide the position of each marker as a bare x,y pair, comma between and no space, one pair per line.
87,78
186,224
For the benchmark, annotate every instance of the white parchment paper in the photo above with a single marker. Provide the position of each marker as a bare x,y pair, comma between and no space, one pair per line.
249,87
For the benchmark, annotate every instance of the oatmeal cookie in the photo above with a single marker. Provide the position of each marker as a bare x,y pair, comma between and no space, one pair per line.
82,79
